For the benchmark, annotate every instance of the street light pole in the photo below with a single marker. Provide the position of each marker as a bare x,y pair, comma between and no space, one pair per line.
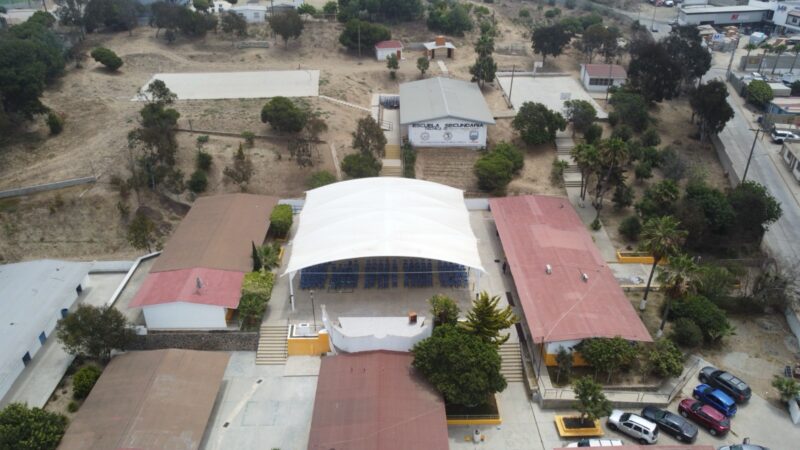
313,309
653,22
750,157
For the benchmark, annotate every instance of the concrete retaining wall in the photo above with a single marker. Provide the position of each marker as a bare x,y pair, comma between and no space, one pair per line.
17,192
199,340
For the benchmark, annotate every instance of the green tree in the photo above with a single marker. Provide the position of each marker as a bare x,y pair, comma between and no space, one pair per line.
759,93
198,181
201,5
392,64
592,403
685,332
256,257
613,153
654,72
154,138
330,8
662,238
94,332
287,25
678,279
496,168
483,70
242,169
631,108
581,113
365,34
462,366
788,388
709,103
608,354
305,8
23,77
755,209
107,58
592,39
361,165
587,158
486,319
369,138
630,227
320,178
141,232
536,124
563,362
232,23
550,40
256,293
70,12
665,359
658,200
484,46
283,115
55,122
449,18
444,310
423,64
84,380
281,219
711,320
114,15
24,428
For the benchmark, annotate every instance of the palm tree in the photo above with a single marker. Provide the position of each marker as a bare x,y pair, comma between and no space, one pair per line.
796,50
778,50
587,159
662,238
767,48
678,278
749,48
612,153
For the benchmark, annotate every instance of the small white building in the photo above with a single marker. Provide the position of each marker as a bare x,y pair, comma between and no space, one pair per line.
251,13
598,77
385,48
791,156
444,112
33,296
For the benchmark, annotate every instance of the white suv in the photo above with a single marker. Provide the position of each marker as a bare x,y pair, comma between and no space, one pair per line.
633,425
778,136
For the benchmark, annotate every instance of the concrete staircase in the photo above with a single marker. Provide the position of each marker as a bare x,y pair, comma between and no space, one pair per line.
392,151
272,345
564,145
511,367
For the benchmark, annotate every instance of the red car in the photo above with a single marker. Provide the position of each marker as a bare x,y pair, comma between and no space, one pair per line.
705,415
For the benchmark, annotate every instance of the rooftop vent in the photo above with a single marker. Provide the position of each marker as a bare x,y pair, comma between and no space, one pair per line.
548,269
584,277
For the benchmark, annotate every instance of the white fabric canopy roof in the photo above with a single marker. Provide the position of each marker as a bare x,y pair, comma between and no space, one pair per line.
382,217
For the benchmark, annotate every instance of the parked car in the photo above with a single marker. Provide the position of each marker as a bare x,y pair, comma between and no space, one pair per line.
745,445
724,381
778,136
705,415
669,3
672,424
721,401
596,443
634,425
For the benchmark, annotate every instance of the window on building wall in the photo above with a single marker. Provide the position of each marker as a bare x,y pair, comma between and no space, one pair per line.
599,82
256,15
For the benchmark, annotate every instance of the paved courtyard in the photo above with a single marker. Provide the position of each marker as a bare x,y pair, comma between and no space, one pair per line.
552,91
222,85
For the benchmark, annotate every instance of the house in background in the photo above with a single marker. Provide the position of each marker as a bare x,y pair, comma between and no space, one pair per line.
251,13
34,295
790,152
385,48
598,77
444,112
445,48
196,281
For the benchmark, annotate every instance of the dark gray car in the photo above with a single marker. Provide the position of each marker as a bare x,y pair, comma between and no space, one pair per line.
671,424
727,383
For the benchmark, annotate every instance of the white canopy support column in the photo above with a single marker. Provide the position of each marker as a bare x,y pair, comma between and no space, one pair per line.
291,289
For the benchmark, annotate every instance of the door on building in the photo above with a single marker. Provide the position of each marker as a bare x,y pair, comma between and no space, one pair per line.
42,338
26,359
79,289
64,312
398,55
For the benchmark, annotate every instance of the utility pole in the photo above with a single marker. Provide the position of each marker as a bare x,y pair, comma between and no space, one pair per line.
653,22
359,40
610,81
511,89
313,309
733,54
750,157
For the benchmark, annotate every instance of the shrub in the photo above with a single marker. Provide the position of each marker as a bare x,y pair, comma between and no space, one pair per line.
24,428
256,292
284,115
55,122
409,161
759,93
650,138
107,58
72,406
672,166
268,254
202,139
630,228
496,168
198,182
203,160
361,165
622,132
665,359
512,153
280,221
557,172
623,196
444,310
83,381
250,137
320,178
643,170
686,333
593,133
711,320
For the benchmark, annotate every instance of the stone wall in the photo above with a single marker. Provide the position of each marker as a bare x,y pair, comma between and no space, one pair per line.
198,340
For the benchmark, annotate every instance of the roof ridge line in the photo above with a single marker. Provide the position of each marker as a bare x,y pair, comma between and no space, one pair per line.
444,97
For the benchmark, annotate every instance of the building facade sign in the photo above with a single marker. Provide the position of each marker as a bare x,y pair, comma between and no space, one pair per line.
447,133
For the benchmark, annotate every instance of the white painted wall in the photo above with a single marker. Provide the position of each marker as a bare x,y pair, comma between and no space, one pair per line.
594,87
353,344
720,18
183,315
382,53
447,133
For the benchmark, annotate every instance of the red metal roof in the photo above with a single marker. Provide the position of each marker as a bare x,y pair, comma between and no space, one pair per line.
219,288
376,401
601,71
538,230
389,44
